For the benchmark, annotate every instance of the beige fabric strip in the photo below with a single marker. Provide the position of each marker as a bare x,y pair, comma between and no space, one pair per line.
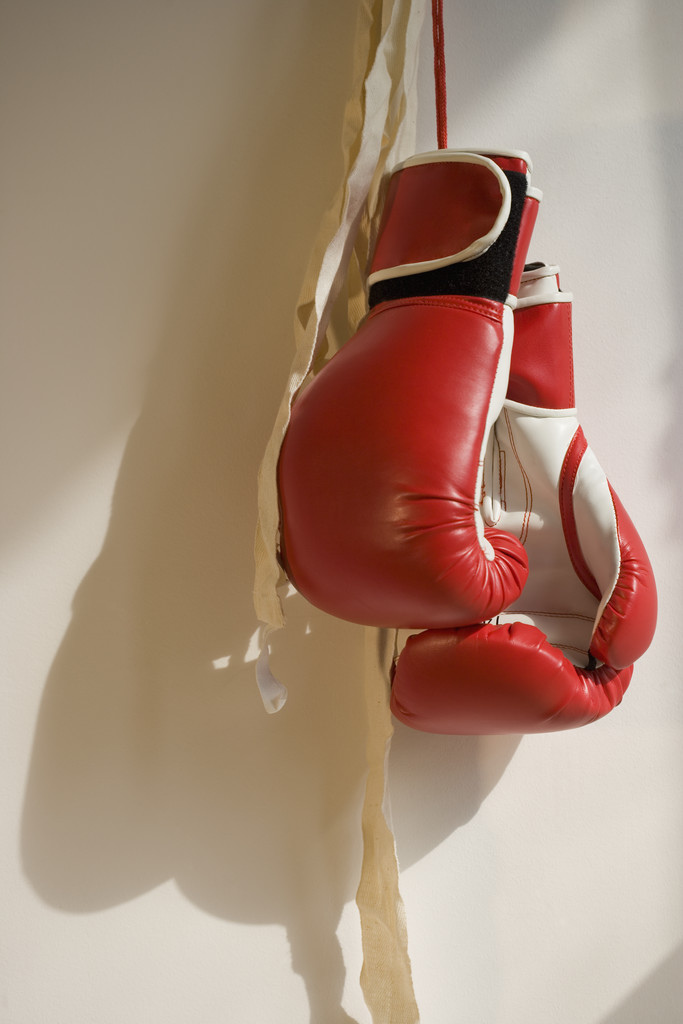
379,131
386,976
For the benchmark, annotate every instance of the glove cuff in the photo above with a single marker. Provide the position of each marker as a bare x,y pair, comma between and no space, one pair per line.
454,223
542,364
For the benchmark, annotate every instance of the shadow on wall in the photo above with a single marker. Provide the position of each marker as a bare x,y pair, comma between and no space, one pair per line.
438,783
660,997
153,758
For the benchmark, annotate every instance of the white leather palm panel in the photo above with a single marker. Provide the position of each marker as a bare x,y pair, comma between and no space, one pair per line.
596,526
522,474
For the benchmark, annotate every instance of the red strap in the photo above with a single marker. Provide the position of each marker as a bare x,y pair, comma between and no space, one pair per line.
439,74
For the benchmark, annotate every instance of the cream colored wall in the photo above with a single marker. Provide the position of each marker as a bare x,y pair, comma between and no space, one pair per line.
170,852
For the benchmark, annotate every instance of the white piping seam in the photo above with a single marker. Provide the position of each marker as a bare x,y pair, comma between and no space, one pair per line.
547,270
543,300
499,385
437,155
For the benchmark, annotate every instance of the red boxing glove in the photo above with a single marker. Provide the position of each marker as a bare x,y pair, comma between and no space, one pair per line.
381,467
561,655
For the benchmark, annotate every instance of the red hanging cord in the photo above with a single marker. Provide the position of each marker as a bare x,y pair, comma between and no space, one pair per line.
439,74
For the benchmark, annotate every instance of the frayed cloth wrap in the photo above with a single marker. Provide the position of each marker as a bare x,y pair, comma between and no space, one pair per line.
379,132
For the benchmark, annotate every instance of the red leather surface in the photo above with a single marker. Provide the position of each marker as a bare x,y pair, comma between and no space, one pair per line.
627,625
377,473
526,228
435,210
570,467
542,367
490,679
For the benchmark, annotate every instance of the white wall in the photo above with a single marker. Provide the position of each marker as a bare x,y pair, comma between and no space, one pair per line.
170,852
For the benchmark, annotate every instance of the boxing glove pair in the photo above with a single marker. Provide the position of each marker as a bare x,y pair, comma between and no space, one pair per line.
385,519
